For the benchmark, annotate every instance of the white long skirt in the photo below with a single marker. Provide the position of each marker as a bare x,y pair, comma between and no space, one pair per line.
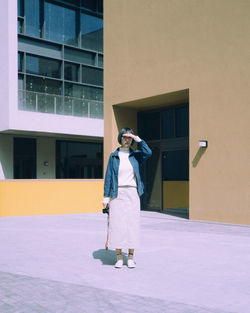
124,219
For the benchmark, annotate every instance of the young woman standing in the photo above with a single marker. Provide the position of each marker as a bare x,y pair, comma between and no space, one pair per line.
122,190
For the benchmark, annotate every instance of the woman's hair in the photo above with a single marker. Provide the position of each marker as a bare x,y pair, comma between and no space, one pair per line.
123,131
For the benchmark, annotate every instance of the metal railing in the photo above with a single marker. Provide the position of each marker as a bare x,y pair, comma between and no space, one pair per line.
55,104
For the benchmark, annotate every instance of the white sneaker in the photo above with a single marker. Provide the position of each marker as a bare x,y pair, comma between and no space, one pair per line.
119,264
131,263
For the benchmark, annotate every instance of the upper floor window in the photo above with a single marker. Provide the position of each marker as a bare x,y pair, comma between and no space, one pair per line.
20,7
60,24
33,22
92,32
43,66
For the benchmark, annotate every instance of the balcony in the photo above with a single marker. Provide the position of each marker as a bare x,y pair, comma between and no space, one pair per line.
55,104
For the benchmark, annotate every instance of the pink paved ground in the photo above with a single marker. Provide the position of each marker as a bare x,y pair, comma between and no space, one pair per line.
58,264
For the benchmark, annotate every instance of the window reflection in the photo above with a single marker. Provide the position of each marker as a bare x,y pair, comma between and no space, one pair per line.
60,24
42,85
32,18
20,26
83,92
92,76
71,71
79,70
20,7
78,159
20,62
100,60
79,56
92,32
43,66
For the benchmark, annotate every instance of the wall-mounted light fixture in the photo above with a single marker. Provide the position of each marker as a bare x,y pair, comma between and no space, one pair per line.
203,143
45,163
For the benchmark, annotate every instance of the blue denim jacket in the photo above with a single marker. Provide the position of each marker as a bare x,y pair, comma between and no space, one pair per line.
136,158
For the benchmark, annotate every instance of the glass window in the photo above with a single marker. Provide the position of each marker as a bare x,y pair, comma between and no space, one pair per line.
79,56
78,159
60,24
24,158
71,71
100,6
21,92
89,4
182,121
92,32
46,103
33,18
75,2
20,26
20,82
92,76
175,165
100,60
83,92
168,125
149,124
43,66
20,8
41,85
96,109
20,62
80,107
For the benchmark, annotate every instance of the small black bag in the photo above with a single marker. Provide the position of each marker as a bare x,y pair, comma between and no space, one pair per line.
106,209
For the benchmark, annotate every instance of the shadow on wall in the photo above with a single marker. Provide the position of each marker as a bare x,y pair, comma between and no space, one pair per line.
125,117
198,156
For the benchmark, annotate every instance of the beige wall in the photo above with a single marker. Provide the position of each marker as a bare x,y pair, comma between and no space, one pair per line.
155,47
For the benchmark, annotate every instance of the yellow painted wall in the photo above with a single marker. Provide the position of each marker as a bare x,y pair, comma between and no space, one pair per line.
155,48
39,197
175,194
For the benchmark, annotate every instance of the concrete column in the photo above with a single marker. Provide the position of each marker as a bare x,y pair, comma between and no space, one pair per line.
6,156
46,158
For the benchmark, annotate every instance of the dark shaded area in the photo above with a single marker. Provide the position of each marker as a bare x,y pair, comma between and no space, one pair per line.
198,156
108,257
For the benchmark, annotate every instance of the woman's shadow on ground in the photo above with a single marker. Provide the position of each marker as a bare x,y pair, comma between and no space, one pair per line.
108,257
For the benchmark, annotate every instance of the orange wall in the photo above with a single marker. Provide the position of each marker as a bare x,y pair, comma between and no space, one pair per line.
158,47
38,197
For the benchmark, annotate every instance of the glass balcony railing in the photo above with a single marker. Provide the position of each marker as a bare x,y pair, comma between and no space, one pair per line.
54,104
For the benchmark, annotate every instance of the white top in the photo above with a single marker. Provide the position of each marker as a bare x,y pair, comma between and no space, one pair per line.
126,175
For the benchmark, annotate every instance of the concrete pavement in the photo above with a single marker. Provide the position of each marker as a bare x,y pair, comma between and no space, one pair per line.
57,263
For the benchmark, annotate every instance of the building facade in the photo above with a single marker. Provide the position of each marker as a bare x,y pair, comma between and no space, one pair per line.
178,73
51,111
51,123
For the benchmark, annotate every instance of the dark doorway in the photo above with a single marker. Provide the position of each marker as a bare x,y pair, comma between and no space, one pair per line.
166,173
24,158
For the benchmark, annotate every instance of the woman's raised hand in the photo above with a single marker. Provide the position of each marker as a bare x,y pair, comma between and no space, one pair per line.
136,138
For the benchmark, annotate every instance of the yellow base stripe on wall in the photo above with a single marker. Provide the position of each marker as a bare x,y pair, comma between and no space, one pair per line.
175,194
40,197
